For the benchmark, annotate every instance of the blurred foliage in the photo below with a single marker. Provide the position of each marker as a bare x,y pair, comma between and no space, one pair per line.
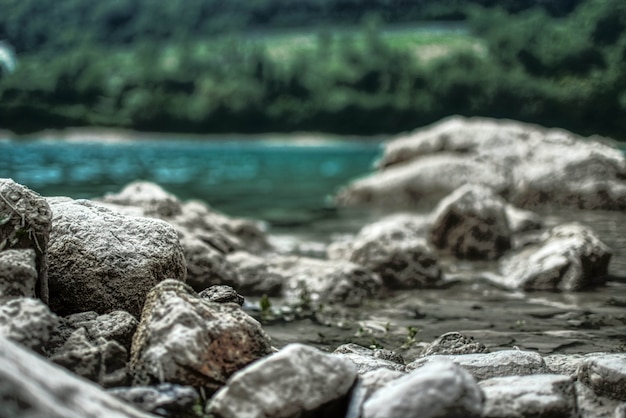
568,71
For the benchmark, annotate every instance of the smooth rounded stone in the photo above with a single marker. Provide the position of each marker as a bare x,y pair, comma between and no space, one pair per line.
101,361
367,384
297,381
542,395
206,266
536,166
25,222
31,387
471,223
454,343
103,261
422,182
440,389
221,294
569,257
366,360
18,274
487,365
606,375
166,399
28,322
325,280
149,196
187,340
256,277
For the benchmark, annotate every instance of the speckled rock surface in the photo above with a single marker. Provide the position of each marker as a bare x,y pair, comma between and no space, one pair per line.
606,375
471,222
221,294
187,340
103,261
366,360
487,365
18,274
454,343
440,389
25,222
297,381
543,395
28,322
569,257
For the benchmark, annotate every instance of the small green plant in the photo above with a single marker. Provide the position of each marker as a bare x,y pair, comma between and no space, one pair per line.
411,336
266,308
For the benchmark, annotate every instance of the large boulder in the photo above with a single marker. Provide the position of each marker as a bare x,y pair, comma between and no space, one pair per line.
25,222
440,389
31,387
295,382
568,257
188,340
103,261
531,165
471,223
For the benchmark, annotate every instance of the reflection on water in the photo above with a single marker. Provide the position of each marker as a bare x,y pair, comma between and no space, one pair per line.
283,182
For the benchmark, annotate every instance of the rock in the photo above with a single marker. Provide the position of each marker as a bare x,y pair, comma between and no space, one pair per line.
102,261
471,223
28,322
520,220
166,399
487,365
394,248
440,389
325,281
101,361
32,387
368,384
569,257
222,294
25,222
565,364
620,411
256,276
187,340
590,405
18,274
206,266
149,196
606,375
297,381
545,395
531,165
454,343
366,360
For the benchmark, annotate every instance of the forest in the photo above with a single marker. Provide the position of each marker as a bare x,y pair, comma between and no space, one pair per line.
341,66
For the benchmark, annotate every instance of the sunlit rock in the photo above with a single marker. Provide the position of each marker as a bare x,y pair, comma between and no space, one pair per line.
103,261
28,322
188,340
297,381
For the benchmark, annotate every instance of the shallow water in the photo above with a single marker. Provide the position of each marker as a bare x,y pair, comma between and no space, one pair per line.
287,183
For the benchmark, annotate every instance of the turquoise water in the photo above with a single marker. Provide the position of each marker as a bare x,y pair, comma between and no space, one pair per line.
283,181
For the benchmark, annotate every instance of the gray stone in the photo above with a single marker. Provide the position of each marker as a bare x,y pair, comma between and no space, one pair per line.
471,223
31,387
100,361
103,261
620,411
149,196
25,222
256,276
118,326
297,381
165,400
497,364
543,395
590,405
222,294
454,343
440,389
366,360
18,273
569,257
606,375
28,322
532,165
187,340
207,266
367,384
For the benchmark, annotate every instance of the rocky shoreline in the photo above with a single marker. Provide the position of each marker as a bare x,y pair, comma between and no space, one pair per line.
131,305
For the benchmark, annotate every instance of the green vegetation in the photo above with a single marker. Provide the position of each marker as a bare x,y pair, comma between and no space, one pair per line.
371,78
